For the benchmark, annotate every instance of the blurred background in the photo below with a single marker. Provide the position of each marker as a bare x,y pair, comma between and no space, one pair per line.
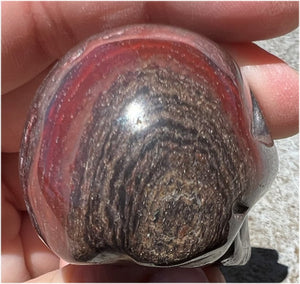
274,220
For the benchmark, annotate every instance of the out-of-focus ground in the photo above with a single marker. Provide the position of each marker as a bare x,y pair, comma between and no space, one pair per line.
274,220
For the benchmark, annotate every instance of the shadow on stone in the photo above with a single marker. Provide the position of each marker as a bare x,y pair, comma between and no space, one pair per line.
262,267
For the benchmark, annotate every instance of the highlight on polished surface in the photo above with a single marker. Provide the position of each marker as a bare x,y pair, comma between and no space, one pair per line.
144,144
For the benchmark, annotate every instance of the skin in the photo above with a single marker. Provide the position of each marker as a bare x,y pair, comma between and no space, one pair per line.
43,32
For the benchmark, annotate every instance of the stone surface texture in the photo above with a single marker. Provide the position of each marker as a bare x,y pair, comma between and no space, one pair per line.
143,143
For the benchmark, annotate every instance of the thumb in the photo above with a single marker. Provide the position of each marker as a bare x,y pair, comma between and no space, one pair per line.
129,273
72,273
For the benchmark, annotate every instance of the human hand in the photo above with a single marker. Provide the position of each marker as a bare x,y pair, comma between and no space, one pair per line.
45,31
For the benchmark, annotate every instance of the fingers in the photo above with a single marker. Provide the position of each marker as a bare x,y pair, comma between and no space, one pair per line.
12,191
14,112
13,267
233,21
23,254
130,273
45,31
274,84
38,258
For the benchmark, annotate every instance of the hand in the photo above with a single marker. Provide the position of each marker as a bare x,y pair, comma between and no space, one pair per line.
35,35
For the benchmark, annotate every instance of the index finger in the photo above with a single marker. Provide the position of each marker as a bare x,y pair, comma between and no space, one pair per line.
35,34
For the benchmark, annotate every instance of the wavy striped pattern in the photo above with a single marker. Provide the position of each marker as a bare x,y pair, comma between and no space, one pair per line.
157,171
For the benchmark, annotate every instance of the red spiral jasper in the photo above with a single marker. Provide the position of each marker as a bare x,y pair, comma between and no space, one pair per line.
144,144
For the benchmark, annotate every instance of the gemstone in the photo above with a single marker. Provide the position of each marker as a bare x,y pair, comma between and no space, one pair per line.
145,144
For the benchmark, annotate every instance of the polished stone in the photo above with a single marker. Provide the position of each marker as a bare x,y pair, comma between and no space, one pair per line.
144,144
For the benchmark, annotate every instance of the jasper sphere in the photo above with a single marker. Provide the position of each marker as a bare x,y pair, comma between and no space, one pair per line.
144,144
